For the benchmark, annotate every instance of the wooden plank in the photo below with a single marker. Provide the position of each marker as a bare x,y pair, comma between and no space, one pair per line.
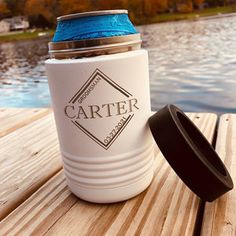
15,118
29,157
220,216
167,207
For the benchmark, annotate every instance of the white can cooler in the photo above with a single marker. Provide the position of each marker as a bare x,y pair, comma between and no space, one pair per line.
101,105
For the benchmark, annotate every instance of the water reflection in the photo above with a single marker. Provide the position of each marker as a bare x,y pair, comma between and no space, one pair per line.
22,77
192,64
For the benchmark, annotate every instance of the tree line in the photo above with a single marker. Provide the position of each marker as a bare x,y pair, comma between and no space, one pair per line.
43,13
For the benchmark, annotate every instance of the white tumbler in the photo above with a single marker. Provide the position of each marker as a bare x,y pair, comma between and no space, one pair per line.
101,102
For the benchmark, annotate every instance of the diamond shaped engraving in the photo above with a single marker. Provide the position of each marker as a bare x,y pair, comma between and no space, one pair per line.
101,109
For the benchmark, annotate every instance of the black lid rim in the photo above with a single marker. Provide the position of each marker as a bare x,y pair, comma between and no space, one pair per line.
171,135
173,110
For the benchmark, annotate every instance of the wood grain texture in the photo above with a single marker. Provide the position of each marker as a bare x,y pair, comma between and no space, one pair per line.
220,216
29,157
15,118
167,207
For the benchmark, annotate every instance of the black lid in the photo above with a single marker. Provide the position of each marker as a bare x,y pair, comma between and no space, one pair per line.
189,153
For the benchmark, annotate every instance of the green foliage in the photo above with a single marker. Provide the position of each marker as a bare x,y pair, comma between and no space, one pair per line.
24,36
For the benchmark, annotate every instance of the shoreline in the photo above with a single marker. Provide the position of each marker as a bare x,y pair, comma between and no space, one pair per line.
27,35
201,18
206,14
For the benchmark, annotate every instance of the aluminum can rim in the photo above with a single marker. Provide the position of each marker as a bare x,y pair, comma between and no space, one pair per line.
91,13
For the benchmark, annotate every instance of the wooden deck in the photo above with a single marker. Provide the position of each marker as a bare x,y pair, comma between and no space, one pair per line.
35,200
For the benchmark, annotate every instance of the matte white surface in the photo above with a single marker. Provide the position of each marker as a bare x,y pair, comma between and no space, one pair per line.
125,168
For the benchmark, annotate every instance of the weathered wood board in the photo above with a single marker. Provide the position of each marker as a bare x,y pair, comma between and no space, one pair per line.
29,156
220,216
167,207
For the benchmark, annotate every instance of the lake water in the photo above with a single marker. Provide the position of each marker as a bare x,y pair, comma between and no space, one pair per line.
192,65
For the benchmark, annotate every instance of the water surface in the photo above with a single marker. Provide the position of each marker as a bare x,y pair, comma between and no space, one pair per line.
192,64
23,82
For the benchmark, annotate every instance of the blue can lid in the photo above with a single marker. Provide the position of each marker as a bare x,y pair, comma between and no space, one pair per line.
91,25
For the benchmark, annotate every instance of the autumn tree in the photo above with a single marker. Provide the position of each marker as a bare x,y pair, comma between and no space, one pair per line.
4,11
136,9
73,6
41,13
214,3
184,6
198,3
16,7
105,4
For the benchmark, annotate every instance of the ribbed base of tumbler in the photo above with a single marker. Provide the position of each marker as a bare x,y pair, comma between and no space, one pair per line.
102,180
111,195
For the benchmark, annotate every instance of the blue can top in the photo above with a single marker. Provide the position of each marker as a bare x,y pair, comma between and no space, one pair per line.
89,26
